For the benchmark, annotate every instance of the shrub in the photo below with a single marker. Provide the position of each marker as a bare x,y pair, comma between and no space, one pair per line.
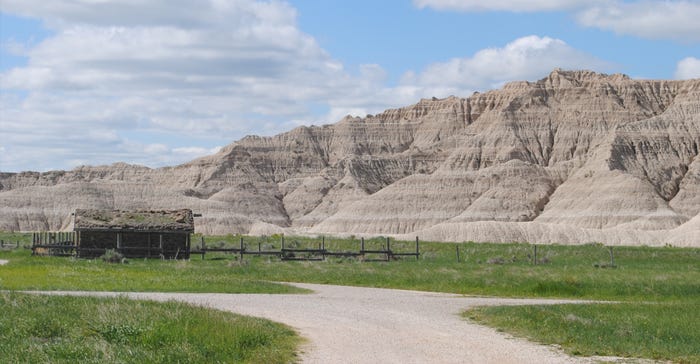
496,260
113,256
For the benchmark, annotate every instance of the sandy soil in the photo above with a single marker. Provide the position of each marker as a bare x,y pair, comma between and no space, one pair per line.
370,325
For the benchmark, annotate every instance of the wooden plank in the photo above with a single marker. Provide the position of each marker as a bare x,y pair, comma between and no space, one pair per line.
264,252
343,254
140,248
54,246
319,251
226,250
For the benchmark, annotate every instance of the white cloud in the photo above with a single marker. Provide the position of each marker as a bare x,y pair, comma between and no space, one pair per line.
162,82
668,19
194,152
526,58
155,148
183,14
688,68
647,19
504,5
215,71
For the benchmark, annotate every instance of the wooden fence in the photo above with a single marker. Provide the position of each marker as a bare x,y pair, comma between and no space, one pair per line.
287,253
9,245
64,244
54,243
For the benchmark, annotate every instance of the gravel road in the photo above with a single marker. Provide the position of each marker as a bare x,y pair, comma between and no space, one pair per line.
371,325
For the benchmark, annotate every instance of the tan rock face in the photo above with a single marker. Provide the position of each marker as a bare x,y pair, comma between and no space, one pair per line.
573,158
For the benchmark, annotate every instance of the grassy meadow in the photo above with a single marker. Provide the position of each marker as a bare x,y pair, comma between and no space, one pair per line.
660,331
652,284
62,329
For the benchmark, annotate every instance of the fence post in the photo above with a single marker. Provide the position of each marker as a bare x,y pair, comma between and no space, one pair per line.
417,251
457,253
612,257
241,249
534,258
362,245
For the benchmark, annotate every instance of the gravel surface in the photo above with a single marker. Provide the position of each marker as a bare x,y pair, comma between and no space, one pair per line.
371,325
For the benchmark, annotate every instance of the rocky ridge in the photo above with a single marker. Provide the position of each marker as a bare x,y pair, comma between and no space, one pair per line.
575,157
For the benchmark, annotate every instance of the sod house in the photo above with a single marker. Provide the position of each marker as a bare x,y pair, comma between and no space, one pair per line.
135,234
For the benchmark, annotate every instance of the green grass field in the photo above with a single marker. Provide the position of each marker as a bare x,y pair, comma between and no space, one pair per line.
667,331
55,329
642,273
25,272
668,277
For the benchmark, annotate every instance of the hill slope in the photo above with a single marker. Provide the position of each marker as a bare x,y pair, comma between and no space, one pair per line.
572,158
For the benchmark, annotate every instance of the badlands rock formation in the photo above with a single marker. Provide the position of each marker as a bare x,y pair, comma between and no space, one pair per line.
575,157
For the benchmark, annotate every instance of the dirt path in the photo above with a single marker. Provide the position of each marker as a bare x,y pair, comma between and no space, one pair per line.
370,325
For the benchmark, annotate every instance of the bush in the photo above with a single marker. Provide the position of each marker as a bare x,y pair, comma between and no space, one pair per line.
496,260
113,256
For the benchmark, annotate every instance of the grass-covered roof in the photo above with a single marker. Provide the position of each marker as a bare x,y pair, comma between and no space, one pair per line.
136,220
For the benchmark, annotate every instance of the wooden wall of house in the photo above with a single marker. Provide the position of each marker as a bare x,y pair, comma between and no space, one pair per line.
135,244
93,243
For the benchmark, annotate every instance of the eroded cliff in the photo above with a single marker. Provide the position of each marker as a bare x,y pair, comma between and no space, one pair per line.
572,158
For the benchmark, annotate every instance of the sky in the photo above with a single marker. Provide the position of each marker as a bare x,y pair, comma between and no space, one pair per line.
161,82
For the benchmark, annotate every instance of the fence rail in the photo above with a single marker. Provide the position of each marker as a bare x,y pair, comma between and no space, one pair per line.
314,254
9,245
75,250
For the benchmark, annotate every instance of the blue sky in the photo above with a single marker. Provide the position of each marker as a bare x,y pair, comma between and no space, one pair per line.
161,82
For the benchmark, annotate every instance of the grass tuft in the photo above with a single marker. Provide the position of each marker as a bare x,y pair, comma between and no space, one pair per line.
113,256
